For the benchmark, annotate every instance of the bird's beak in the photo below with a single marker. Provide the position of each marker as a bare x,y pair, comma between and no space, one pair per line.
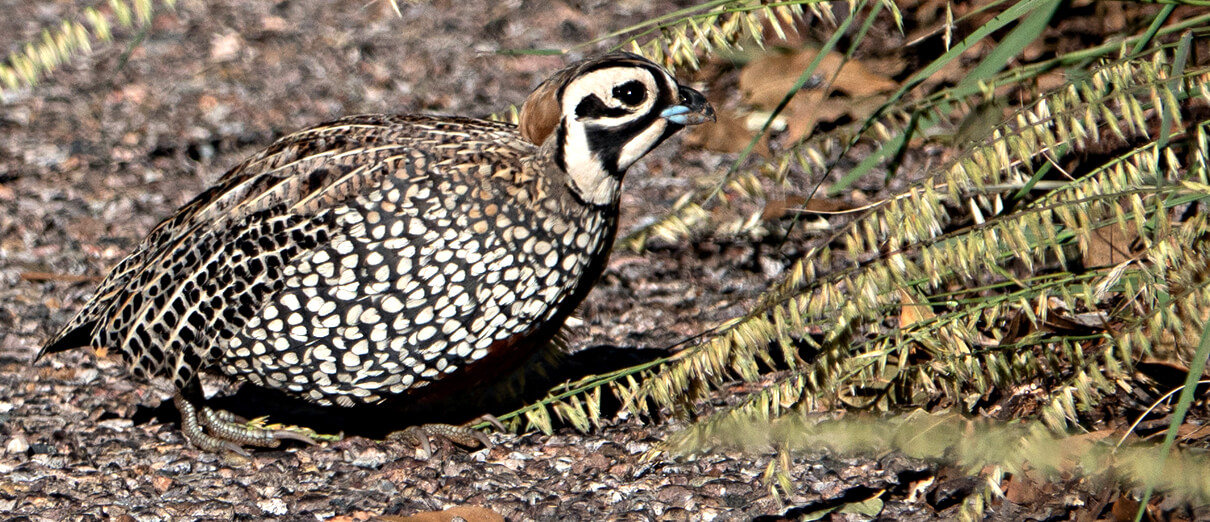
692,109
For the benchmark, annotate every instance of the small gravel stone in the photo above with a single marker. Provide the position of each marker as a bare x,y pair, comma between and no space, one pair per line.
273,506
17,444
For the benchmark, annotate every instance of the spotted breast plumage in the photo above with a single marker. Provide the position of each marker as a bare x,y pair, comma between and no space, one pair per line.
373,256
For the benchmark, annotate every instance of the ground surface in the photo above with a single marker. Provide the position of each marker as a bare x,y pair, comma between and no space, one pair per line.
91,159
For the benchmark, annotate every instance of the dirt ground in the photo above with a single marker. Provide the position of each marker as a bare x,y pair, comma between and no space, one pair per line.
96,155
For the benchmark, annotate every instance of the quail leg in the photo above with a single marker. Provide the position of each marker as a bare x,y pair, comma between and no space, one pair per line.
225,431
463,435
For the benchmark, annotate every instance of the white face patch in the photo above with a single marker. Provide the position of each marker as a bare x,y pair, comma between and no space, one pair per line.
589,176
600,83
593,183
584,167
641,144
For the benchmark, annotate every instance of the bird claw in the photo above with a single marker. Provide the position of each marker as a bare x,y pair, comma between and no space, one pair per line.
220,431
463,435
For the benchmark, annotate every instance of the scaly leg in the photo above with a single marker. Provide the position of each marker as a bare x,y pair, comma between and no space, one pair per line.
225,431
464,434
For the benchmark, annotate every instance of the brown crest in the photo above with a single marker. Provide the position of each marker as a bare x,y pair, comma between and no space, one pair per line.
542,110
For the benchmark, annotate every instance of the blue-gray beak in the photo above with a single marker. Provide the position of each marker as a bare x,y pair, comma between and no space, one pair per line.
692,109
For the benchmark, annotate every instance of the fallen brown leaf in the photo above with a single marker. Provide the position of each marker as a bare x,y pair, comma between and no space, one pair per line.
765,81
911,312
779,208
1124,508
1020,489
467,513
729,134
1110,245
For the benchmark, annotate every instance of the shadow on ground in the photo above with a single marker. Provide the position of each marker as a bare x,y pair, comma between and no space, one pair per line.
542,373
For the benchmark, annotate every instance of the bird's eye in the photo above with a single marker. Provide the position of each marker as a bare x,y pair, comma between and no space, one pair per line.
631,93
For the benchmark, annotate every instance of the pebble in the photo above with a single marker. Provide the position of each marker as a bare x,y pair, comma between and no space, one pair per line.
17,444
273,506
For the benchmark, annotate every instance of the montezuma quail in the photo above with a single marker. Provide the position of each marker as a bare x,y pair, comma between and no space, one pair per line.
375,256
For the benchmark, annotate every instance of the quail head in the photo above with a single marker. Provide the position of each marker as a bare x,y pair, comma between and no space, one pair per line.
378,257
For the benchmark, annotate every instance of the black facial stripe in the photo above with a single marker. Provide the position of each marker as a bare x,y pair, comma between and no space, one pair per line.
607,142
655,71
593,107
561,145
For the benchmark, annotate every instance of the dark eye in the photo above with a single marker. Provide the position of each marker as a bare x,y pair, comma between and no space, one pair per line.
631,93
